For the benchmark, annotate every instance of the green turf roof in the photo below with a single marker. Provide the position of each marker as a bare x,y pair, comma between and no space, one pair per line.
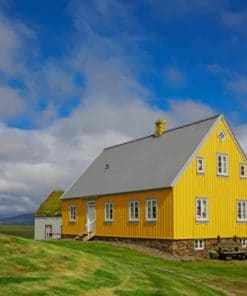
52,206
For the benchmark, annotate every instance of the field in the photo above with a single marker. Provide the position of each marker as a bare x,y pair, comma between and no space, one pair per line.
66,267
18,230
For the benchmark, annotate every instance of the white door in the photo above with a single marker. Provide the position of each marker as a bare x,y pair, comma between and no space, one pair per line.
91,216
48,231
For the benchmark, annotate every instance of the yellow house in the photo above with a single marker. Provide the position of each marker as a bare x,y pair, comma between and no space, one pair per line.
179,190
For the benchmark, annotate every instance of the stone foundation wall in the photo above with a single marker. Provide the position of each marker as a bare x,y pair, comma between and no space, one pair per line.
68,236
175,247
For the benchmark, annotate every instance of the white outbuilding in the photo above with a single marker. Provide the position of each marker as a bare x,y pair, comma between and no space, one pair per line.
48,220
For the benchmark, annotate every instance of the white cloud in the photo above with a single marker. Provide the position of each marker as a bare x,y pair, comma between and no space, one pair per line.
114,107
174,77
53,81
241,133
187,110
11,104
32,163
238,85
13,37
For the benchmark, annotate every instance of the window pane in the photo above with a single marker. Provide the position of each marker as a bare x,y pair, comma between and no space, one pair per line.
199,209
200,165
72,213
204,211
154,211
239,210
136,211
111,212
108,211
242,170
151,209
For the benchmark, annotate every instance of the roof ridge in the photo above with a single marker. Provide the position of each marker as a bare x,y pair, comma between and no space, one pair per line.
169,130
195,122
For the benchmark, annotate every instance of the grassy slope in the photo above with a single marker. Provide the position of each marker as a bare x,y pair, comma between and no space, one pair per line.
25,231
73,268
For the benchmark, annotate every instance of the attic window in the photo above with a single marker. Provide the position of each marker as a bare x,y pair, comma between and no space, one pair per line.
200,166
222,136
243,170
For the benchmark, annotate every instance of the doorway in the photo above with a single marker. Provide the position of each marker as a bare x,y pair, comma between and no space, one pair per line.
48,231
91,216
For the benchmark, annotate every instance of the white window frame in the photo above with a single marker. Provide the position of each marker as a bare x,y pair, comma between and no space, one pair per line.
134,210
149,209
109,212
244,167
199,244
243,242
221,159
200,167
242,210
72,213
203,201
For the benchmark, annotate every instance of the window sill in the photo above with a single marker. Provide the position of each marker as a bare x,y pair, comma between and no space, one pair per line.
133,221
201,249
108,221
202,221
151,221
200,173
72,222
223,176
242,221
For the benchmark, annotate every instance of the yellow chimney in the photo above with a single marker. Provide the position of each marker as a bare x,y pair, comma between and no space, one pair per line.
160,127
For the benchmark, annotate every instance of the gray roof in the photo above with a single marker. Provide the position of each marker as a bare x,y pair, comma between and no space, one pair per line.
143,164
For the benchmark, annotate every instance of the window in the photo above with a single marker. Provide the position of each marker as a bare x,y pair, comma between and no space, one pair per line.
133,210
242,210
200,167
48,231
199,244
222,136
243,242
72,212
151,210
222,164
243,170
201,209
108,212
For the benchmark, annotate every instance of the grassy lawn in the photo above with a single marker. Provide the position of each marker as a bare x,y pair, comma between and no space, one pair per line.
18,230
66,267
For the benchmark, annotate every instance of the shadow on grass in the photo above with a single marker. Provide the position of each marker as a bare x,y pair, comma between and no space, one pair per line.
5,280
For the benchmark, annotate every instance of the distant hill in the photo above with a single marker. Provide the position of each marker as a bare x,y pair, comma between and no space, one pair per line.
24,219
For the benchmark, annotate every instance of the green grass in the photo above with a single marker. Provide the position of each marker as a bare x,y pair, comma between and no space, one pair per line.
18,230
66,267
52,205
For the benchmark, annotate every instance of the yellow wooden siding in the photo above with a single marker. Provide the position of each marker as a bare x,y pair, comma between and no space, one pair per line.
79,226
121,226
222,192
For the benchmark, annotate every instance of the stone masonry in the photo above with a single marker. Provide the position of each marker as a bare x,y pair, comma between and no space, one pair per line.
174,247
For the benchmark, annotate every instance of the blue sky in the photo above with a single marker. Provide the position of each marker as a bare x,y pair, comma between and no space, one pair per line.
76,76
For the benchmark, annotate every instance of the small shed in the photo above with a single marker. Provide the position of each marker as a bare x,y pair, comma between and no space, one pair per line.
48,217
